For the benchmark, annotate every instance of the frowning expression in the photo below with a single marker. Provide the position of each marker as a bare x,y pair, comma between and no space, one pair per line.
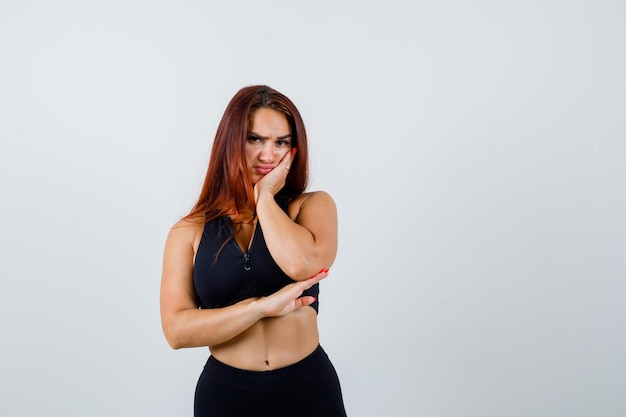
269,139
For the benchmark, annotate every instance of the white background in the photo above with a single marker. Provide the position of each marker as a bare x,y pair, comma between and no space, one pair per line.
476,152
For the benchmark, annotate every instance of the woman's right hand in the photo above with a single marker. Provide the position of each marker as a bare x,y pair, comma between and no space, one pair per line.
288,298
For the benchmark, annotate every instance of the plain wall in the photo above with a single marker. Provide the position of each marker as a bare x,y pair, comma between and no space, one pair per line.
476,152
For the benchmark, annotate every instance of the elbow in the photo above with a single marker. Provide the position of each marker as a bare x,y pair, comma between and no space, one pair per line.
174,342
173,337
305,268
319,260
298,270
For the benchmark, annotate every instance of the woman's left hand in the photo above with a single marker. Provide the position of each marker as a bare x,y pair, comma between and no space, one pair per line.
274,180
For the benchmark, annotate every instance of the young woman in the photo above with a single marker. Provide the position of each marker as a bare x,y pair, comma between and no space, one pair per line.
241,270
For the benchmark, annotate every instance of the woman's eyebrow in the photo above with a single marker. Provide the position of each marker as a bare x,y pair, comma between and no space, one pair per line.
265,137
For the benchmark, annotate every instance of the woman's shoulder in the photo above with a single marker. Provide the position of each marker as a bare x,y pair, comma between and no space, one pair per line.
187,229
313,200
311,197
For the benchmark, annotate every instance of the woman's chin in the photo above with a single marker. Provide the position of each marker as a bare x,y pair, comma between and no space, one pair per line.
254,178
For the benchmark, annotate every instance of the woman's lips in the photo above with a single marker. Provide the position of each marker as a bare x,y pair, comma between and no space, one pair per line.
263,169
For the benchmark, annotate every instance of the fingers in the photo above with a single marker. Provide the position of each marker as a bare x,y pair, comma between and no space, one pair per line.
297,288
319,276
275,179
308,283
290,298
287,159
307,300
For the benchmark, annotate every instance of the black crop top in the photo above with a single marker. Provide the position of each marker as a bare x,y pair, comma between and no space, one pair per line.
236,275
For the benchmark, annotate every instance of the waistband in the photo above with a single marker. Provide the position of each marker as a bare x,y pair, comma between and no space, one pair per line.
274,380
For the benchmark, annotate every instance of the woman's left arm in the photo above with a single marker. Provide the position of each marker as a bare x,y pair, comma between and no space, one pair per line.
304,241
308,243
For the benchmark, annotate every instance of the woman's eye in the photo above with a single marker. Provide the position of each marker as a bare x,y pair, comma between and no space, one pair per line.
253,139
282,142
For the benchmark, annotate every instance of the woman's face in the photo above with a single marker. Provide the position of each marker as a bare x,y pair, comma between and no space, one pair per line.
269,139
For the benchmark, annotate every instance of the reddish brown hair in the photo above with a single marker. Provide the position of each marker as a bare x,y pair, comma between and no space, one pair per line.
227,187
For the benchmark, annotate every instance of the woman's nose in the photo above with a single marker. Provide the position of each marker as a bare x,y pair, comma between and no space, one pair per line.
267,153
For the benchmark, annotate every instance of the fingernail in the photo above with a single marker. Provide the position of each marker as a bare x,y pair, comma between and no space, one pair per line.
321,272
293,151
325,271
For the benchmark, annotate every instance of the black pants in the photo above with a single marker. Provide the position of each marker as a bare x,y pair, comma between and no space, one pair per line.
307,388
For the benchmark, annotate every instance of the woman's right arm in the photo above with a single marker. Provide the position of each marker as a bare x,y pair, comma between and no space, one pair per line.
185,325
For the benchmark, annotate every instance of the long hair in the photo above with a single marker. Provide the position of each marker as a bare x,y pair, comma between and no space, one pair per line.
227,187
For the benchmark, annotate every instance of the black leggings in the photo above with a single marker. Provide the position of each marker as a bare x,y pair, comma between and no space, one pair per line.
307,388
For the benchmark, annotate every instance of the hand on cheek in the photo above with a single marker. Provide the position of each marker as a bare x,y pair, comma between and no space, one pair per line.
274,180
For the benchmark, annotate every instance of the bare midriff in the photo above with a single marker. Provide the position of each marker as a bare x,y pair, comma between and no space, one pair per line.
272,343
